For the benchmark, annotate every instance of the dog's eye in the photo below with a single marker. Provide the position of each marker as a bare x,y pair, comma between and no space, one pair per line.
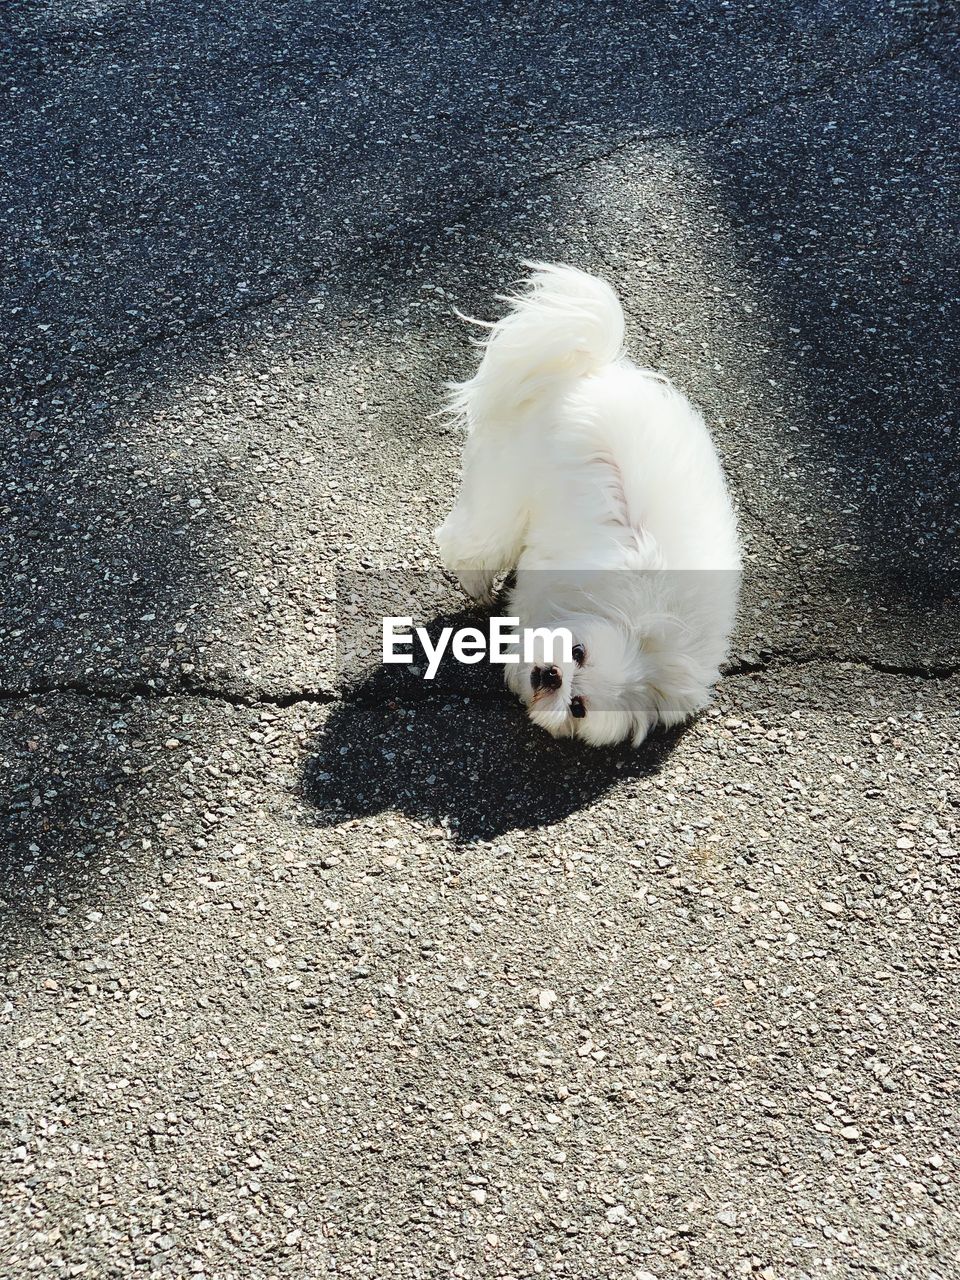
578,708
579,654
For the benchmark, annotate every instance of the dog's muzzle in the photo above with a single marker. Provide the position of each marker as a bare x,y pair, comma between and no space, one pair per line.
546,677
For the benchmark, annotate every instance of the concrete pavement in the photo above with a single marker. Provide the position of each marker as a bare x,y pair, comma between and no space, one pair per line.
304,978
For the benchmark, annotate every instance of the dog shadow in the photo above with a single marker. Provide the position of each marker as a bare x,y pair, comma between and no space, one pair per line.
459,752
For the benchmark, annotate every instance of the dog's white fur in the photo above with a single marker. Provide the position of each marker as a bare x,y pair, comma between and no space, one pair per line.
599,484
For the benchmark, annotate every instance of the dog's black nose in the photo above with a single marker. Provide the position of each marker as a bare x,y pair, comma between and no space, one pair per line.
550,677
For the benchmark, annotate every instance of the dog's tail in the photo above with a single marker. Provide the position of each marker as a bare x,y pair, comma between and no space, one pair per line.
562,325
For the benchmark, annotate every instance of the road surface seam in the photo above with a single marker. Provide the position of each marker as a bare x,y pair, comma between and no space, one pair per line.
734,670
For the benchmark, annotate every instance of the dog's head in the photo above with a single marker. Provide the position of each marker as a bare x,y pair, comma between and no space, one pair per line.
615,683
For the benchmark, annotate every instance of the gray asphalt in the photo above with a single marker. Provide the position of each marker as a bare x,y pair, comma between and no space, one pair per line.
306,976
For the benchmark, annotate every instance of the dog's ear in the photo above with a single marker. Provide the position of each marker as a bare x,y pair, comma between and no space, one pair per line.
642,712
645,551
643,721
678,684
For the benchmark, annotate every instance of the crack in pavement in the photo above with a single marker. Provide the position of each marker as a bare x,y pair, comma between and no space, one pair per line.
823,85
746,665
131,691
796,559
732,669
795,94
179,329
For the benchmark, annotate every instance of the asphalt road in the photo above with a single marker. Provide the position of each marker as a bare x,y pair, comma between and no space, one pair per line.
310,977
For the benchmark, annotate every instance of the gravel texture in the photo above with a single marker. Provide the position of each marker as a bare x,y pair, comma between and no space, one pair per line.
305,978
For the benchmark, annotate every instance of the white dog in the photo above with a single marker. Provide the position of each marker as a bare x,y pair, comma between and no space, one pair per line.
599,484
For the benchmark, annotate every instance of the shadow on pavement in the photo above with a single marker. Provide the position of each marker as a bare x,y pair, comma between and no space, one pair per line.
83,782
474,766
173,166
458,751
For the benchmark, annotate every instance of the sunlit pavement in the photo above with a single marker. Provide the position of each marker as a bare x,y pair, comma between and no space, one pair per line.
306,977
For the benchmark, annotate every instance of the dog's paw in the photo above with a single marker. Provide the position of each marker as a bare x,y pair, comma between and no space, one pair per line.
477,584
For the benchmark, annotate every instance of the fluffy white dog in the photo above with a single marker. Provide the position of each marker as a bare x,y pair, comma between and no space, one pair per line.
598,483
